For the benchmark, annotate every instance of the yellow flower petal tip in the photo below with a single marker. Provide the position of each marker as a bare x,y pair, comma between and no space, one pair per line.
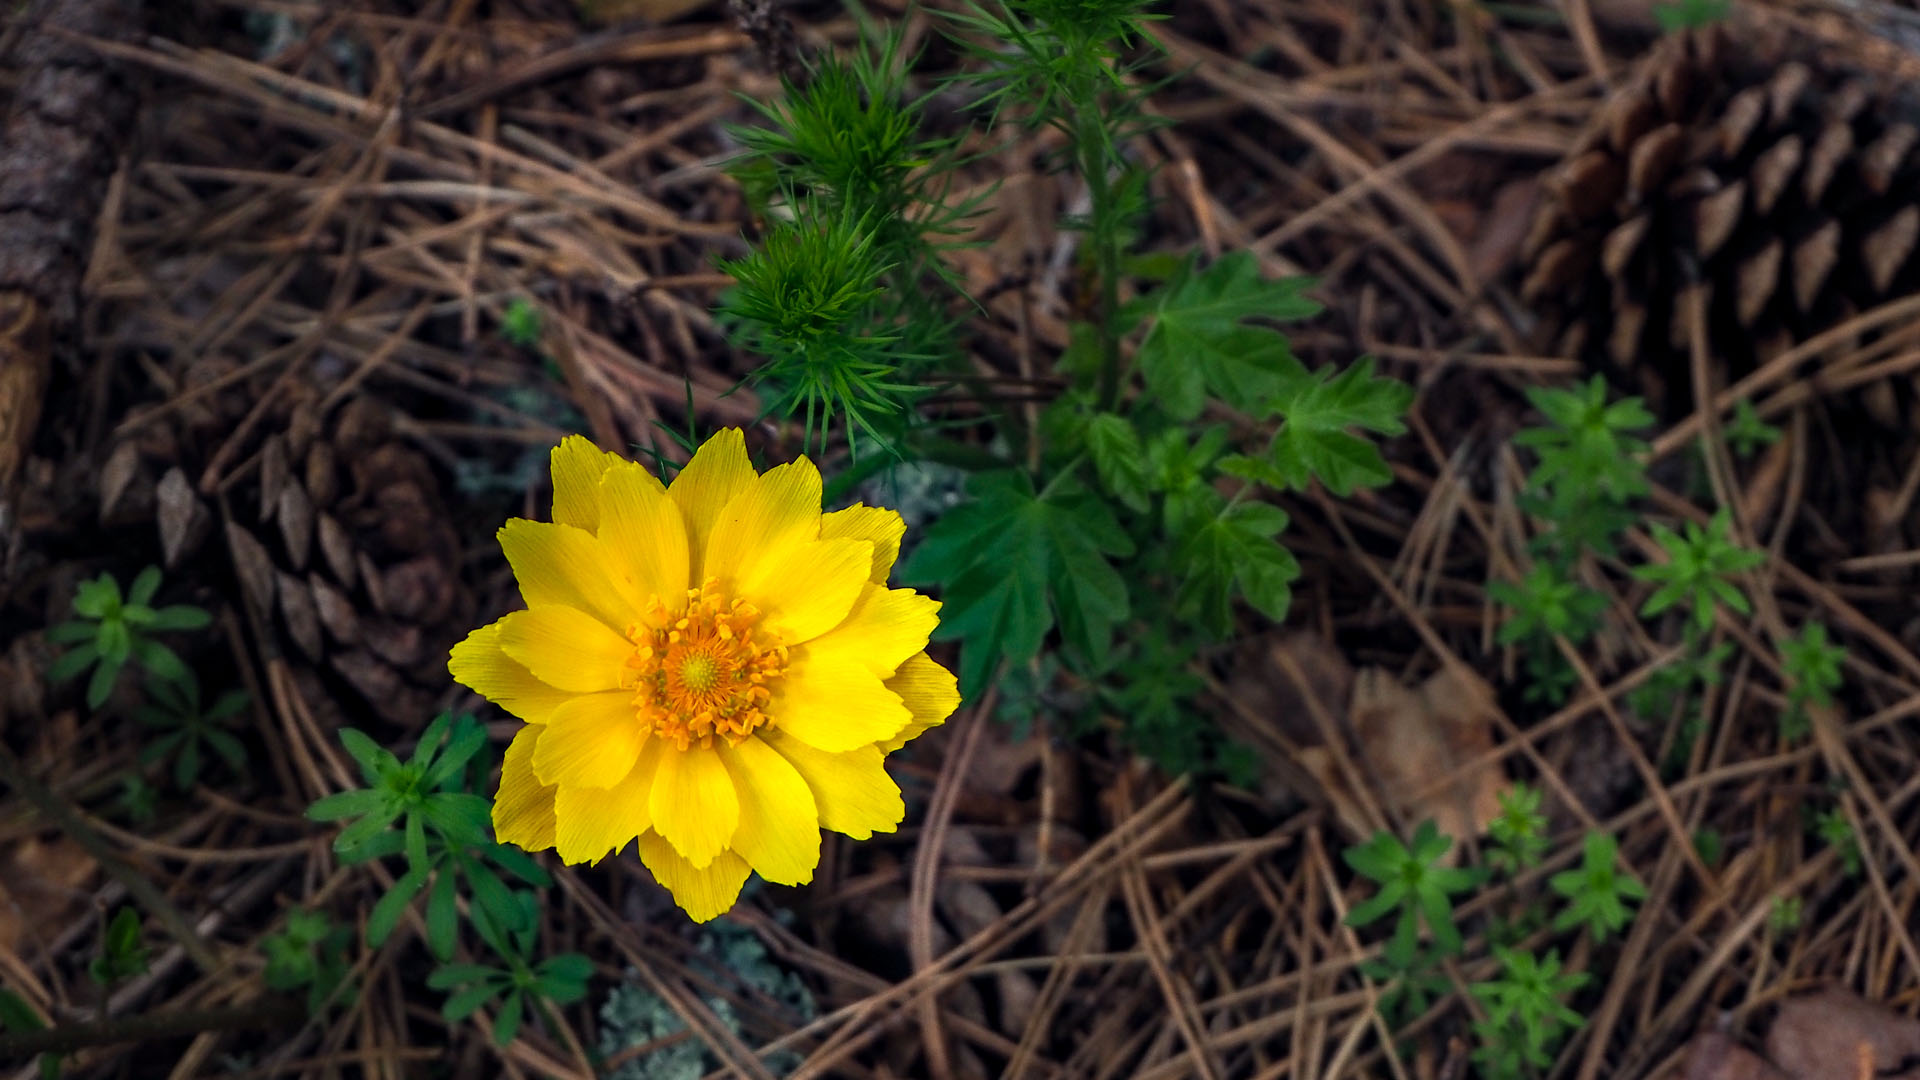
713,670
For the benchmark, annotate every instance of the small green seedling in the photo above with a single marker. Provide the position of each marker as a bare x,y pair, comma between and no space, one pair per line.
444,830
1812,667
1598,896
174,707
112,628
123,953
1747,433
1546,605
1698,573
1526,1013
1836,831
521,323
1519,833
556,980
309,953
1412,883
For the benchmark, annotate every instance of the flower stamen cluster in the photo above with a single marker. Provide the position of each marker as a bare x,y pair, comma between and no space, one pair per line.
705,673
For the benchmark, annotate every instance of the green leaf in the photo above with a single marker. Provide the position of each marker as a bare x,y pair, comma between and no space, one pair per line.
16,1014
1114,444
1013,563
562,979
466,1002
1199,340
72,662
443,918
1236,547
386,914
374,760
346,804
180,617
144,586
229,705
447,976
161,661
100,686
96,598
507,1024
468,737
1313,441
72,630
516,862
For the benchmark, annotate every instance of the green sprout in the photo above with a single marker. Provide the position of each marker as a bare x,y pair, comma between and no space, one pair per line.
444,830
1526,1013
1748,433
1519,833
1411,882
1546,605
521,323
1597,895
556,980
1698,571
1836,832
309,953
1812,667
112,628
123,953
174,707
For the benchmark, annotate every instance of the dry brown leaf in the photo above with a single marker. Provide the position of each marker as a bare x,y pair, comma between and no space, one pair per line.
1714,1056
1835,1034
42,887
1413,739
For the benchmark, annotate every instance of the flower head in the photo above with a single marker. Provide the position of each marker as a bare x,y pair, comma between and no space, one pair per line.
716,669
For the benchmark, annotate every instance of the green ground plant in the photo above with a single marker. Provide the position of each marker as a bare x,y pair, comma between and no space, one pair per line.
1183,410
424,810
114,627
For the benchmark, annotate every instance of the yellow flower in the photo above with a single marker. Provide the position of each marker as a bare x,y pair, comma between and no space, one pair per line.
715,668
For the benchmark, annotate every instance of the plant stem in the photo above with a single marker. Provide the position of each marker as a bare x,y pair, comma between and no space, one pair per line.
1103,234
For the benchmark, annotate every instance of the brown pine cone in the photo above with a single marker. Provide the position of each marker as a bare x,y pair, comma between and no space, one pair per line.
1775,175
348,543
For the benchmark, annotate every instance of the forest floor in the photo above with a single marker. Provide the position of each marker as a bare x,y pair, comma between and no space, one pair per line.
288,386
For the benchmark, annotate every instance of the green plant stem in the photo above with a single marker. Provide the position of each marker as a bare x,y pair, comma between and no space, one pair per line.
65,1039
1105,238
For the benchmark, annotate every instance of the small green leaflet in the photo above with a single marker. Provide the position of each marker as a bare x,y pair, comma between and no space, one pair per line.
1314,439
1200,341
1237,545
1013,564
1114,444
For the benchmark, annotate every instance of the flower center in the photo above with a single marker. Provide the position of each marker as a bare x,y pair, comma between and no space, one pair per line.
705,673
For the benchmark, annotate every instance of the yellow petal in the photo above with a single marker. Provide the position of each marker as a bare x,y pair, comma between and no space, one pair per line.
859,522
718,471
931,695
643,539
566,647
577,465
591,741
885,627
565,566
479,664
779,833
594,822
702,892
810,590
835,703
523,808
693,803
767,517
852,790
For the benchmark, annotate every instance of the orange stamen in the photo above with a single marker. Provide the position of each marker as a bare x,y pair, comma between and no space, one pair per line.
705,673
